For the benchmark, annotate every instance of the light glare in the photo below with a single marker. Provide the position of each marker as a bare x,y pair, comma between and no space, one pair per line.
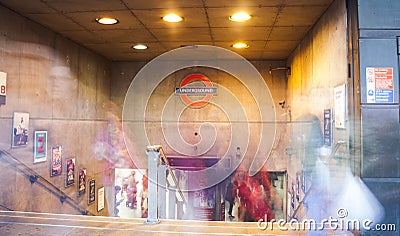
240,45
240,16
172,18
107,20
140,46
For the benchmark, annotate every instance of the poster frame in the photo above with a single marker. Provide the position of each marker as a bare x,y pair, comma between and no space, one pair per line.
40,146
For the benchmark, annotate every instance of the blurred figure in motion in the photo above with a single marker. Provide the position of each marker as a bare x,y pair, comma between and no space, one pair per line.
132,192
244,193
144,196
230,197
118,199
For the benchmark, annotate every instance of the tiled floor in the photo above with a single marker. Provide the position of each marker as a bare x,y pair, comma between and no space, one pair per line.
39,224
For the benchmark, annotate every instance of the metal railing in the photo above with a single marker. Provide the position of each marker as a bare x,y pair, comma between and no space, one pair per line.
309,192
36,178
170,171
159,170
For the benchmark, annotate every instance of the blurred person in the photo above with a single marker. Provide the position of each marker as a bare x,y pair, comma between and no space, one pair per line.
230,196
259,205
132,191
110,147
144,195
244,193
118,198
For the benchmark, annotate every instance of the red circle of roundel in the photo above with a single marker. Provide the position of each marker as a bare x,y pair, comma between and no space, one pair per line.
207,97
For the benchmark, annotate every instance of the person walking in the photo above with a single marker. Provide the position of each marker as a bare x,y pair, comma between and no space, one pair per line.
230,196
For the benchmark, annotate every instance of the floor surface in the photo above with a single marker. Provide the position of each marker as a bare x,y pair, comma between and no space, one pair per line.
35,224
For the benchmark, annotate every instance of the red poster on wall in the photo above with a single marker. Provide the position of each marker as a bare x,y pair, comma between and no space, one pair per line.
380,85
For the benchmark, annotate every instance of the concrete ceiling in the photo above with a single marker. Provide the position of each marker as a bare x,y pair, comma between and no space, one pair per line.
276,27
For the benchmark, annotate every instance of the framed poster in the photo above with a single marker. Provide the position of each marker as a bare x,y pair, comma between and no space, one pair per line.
3,88
20,129
100,199
81,182
303,182
40,146
70,172
92,191
340,106
298,185
292,195
56,161
327,127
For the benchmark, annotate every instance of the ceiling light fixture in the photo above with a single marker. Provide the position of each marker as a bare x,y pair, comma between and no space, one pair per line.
107,20
139,46
240,16
173,18
240,45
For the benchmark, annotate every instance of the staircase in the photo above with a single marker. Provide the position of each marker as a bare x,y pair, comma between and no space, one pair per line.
35,178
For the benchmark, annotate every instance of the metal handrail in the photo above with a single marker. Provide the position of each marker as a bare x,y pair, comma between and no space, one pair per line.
166,162
308,192
34,177
332,154
8,209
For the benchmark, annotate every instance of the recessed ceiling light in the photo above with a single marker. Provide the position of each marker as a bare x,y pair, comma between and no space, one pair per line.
240,45
139,46
107,20
172,18
240,16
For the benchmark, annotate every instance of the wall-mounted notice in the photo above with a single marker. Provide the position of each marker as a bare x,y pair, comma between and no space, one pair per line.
380,87
100,199
340,106
3,88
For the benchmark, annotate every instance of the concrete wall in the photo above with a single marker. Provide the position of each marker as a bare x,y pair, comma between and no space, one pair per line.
191,119
65,89
318,65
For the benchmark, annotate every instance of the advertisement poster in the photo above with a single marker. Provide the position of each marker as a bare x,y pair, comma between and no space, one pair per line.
40,146
293,193
100,199
70,164
340,106
20,129
56,164
380,85
327,127
92,191
204,204
3,88
81,182
298,185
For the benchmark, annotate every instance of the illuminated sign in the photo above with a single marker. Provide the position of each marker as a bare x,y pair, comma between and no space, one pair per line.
184,91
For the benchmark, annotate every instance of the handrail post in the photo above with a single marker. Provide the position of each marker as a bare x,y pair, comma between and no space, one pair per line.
153,163
171,203
158,165
161,194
